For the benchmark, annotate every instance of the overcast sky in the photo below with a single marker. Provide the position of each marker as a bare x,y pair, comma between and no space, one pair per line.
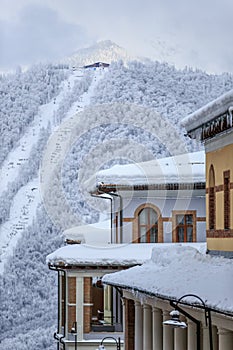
193,33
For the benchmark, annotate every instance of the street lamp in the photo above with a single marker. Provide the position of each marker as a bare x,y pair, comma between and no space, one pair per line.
74,332
175,320
117,342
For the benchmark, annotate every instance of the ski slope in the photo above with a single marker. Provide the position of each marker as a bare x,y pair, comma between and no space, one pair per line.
25,202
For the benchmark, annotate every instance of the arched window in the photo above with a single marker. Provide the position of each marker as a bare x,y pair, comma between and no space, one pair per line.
148,226
211,198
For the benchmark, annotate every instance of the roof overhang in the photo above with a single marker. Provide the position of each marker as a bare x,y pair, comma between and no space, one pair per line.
112,188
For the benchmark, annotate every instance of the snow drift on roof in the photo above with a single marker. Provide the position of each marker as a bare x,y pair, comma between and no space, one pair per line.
114,254
184,168
97,233
177,270
209,111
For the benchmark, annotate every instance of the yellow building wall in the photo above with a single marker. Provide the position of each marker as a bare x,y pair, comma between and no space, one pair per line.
222,160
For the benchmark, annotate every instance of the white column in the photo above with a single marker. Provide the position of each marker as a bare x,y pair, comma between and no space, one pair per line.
205,338
192,335
157,329
79,306
168,340
180,339
225,339
147,327
138,326
123,313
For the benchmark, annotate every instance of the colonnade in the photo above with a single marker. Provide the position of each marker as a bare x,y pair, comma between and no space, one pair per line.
150,334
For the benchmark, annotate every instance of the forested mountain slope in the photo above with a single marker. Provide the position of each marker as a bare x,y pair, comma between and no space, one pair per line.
116,121
21,95
125,103
173,93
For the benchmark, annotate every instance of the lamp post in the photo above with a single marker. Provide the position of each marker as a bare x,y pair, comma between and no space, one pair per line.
74,332
175,320
117,342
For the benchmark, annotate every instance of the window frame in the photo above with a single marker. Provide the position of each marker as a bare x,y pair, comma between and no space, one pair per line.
135,232
212,199
175,226
109,318
226,198
148,225
184,225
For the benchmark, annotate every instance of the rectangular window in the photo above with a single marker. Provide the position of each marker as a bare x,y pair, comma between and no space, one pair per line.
62,294
211,208
226,176
106,309
184,228
71,302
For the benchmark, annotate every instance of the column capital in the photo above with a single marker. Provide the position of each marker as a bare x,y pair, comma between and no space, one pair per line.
156,310
137,303
146,307
123,300
223,331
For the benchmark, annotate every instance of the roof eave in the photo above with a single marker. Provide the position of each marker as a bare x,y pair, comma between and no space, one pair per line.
173,186
167,298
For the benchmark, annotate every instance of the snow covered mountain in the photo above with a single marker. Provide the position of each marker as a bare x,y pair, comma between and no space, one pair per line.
103,51
128,113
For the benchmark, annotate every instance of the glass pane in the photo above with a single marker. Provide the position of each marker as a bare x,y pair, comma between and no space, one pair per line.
71,316
180,219
143,216
72,290
154,234
180,234
153,217
189,234
143,234
189,219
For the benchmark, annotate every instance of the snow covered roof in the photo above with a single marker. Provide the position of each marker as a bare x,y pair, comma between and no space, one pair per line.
112,254
174,271
184,168
209,111
97,233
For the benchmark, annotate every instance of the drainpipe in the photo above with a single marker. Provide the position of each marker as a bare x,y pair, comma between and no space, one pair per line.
121,209
60,339
110,198
121,213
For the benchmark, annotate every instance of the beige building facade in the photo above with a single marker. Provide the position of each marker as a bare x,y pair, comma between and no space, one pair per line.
213,125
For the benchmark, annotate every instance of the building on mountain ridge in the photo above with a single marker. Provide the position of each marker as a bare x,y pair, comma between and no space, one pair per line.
97,65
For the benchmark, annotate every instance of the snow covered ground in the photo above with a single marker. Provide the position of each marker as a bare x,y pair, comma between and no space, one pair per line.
27,199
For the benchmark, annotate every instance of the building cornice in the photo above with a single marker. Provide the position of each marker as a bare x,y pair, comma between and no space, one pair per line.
219,125
209,112
108,188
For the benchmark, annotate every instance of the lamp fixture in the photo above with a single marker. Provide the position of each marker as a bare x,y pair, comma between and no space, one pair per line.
74,332
175,320
117,342
74,328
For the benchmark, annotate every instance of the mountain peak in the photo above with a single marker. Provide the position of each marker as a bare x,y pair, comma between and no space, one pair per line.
102,51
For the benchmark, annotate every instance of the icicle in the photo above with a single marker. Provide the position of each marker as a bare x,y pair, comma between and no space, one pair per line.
230,110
